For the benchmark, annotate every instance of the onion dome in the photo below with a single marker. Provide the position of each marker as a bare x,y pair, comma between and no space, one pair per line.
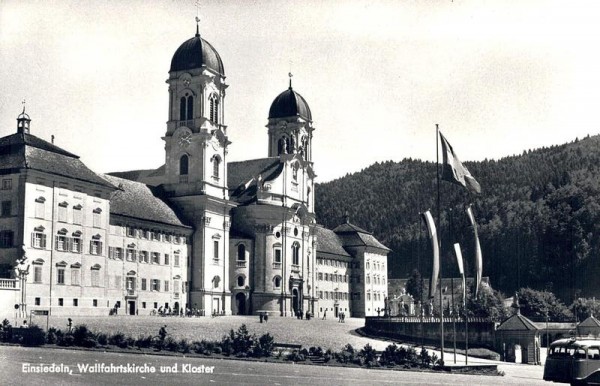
289,104
195,53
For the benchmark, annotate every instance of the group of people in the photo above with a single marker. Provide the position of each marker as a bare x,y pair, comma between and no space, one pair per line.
341,317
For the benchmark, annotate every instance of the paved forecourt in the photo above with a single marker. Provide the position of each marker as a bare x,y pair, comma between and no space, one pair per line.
19,366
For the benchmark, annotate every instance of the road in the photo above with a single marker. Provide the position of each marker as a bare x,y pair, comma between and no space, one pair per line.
225,372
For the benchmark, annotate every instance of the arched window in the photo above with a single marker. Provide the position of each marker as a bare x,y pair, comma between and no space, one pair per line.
241,281
182,109
277,282
216,280
216,162
190,107
241,252
183,165
296,254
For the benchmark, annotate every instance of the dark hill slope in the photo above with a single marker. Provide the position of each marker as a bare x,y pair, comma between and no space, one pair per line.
538,216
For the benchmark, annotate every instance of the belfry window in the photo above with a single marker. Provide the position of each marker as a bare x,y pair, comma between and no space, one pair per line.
182,106
190,107
183,165
186,107
214,108
296,254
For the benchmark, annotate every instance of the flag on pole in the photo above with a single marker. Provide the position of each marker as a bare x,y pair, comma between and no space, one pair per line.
478,257
436,252
459,260
454,171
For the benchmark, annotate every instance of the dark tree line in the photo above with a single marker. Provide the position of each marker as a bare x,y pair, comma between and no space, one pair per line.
538,216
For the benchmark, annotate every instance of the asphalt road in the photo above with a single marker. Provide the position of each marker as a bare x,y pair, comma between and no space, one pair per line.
14,362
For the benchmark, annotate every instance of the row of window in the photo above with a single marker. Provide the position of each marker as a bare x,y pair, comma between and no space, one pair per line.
154,235
75,303
66,244
75,274
333,295
62,212
134,255
376,280
376,266
376,296
334,277
335,263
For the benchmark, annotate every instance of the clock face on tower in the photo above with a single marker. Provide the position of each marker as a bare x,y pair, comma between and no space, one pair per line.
184,139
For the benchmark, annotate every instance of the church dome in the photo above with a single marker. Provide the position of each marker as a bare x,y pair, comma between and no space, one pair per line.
289,104
195,53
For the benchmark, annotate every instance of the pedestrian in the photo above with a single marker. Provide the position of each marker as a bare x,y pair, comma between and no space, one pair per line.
266,317
343,317
260,316
70,325
325,314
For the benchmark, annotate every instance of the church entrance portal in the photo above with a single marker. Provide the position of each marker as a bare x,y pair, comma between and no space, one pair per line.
240,300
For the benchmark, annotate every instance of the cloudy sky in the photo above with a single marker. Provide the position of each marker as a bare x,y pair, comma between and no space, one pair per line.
499,77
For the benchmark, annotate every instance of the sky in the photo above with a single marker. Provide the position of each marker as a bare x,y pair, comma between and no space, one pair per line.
499,77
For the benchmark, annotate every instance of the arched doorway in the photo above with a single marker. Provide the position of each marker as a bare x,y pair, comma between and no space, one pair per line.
295,299
240,300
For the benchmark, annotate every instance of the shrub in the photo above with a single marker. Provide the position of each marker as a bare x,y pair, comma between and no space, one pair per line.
118,339
295,356
242,341
130,341
102,339
369,356
34,337
316,351
82,336
143,342
264,347
347,355
51,335
171,344
65,339
390,357
226,344
328,355
426,359
184,346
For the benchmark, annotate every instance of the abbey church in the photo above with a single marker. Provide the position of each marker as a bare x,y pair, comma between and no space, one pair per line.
199,233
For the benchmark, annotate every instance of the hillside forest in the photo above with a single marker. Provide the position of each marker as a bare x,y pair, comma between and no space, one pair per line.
538,217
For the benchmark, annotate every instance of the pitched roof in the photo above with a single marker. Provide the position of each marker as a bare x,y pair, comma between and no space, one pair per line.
353,236
349,228
517,322
242,177
138,200
26,151
133,175
329,242
589,322
242,172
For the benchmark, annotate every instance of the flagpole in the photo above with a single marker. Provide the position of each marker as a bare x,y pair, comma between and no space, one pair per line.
437,167
453,316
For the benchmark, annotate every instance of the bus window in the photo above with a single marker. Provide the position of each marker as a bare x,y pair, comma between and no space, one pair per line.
594,353
580,353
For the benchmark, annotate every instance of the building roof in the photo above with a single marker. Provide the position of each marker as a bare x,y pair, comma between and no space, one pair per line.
243,177
349,228
290,104
589,322
329,242
517,322
26,151
195,53
138,200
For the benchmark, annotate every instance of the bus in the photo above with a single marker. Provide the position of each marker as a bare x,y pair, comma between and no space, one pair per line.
574,360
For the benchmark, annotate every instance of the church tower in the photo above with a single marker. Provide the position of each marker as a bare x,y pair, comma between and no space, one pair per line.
290,125
195,178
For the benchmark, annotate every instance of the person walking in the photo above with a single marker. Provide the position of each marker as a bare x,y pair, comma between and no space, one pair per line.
325,314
